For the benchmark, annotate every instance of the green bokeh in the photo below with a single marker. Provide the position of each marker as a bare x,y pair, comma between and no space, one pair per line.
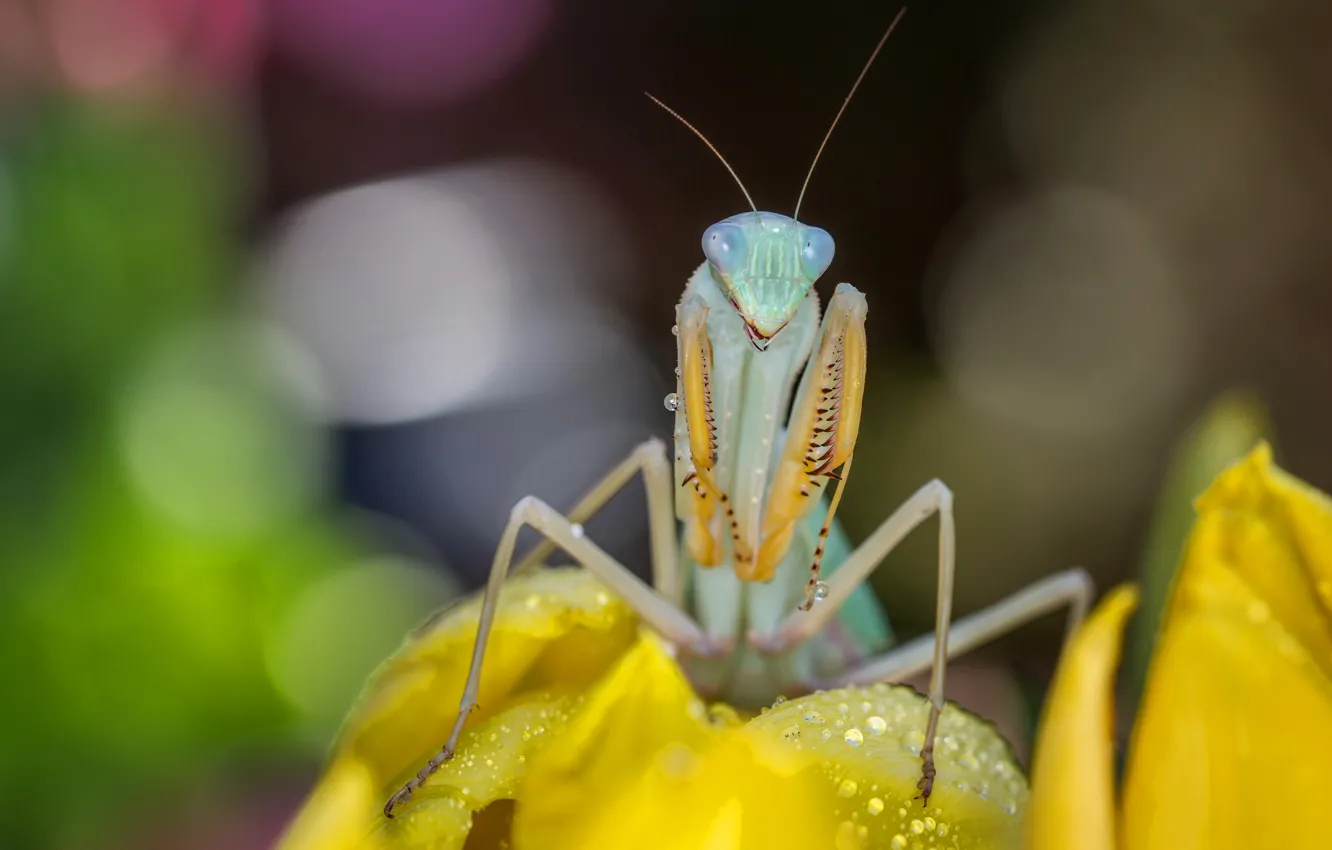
1229,429
162,494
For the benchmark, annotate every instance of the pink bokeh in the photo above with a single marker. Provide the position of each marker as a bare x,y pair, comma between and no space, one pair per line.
408,51
102,46
128,46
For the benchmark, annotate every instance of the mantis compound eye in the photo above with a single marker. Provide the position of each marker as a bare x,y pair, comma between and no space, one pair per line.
724,246
816,254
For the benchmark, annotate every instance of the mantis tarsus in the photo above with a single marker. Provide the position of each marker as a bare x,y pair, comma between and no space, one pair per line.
751,495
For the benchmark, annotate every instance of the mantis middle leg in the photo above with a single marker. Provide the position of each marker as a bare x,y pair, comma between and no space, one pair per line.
1072,588
658,611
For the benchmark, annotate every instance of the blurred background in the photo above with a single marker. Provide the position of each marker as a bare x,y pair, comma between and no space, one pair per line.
297,297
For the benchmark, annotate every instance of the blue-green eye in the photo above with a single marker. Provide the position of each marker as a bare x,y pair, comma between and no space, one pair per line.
817,252
724,246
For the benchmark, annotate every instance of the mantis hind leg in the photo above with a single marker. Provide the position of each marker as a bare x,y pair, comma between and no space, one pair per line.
660,612
1072,588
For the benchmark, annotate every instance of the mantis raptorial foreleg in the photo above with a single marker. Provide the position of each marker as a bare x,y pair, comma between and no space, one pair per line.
657,611
1072,588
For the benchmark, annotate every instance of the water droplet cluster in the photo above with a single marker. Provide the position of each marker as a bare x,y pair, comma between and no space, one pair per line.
868,741
490,766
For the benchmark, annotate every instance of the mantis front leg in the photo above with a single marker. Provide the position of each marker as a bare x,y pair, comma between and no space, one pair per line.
658,611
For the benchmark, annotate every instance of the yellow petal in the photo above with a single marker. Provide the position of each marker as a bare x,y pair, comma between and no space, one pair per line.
642,765
1275,533
1227,430
1072,779
556,631
1231,747
858,750
333,818
488,769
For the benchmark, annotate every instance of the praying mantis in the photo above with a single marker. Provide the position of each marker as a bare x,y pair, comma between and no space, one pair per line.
742,530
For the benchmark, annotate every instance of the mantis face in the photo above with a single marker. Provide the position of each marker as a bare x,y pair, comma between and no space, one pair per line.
765,263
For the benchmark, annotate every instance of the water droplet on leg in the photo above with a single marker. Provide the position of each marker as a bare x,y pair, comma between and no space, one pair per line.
671,402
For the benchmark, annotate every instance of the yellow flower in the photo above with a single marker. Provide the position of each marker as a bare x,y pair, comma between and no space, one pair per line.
588,736
1232,746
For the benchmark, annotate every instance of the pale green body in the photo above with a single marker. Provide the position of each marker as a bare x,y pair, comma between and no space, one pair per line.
752,390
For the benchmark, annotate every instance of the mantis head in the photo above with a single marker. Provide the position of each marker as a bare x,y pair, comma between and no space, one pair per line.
766,263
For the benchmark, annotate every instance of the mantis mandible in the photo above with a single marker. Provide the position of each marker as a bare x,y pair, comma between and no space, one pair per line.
746,494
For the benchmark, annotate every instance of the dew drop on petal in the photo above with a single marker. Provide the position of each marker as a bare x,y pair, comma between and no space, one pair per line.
874,806
846,837
814,718
914,741
848,788
854,737
917,827
876,725
899,842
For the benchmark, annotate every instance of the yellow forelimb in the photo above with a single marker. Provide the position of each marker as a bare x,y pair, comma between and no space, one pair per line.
824,425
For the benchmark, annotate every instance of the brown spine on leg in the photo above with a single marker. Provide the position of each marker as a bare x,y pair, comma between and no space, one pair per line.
700,420
821,437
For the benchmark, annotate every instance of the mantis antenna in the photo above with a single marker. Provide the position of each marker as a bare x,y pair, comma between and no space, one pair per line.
838,117
678,117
